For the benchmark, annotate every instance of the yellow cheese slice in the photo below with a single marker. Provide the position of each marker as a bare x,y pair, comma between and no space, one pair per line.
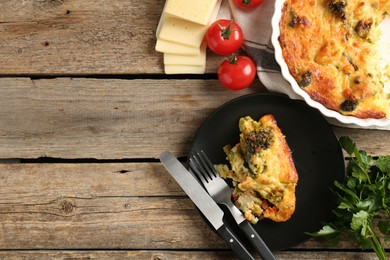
196,11
198,60
184,69
182,31
175,48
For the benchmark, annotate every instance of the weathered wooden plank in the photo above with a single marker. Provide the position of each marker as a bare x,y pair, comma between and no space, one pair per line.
95,118
81,37
173,255
107,223
113,119
53,182
97,206
107,206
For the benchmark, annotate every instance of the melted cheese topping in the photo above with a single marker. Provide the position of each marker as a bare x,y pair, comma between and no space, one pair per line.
331,49
262,170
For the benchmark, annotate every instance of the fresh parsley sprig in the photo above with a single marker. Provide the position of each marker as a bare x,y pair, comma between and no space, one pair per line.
363,201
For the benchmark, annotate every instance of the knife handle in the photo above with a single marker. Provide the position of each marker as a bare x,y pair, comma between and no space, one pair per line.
256,241
237,247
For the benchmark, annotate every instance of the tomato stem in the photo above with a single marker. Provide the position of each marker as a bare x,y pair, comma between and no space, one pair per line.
246,2
225,32
232,58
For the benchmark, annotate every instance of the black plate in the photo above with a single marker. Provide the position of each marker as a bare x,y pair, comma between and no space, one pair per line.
316,153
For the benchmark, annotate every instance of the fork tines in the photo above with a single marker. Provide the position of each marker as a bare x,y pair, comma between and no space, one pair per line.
200,163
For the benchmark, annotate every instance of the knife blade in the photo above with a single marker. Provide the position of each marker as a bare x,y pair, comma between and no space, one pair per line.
203,202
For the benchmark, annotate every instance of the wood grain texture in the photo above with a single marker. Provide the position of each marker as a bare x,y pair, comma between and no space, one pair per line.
106,206
96,118
52,37
175,255
115,119
129,209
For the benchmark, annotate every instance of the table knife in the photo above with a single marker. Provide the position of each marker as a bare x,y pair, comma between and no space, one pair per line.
252,236
203,202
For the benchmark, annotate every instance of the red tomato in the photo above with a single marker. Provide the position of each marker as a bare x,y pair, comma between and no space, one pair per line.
224,37
248,4
237,72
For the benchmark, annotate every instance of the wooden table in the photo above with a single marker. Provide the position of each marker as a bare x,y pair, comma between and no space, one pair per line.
85,111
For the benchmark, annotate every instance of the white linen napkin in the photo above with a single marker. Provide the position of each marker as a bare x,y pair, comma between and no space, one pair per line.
257,29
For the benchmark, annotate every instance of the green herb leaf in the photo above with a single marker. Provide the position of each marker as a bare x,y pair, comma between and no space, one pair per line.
363,198
347,144
384,164
326,230
360,222
384,227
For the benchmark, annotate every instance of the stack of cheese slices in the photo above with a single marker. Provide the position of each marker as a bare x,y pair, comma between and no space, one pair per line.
180,34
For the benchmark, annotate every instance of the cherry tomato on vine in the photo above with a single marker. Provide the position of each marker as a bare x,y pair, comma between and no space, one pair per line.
248,4
237,72
224,37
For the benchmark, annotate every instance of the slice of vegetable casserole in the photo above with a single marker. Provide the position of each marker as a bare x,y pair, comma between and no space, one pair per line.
262,170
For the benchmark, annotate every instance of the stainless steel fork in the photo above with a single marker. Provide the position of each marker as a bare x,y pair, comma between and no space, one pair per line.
220,191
